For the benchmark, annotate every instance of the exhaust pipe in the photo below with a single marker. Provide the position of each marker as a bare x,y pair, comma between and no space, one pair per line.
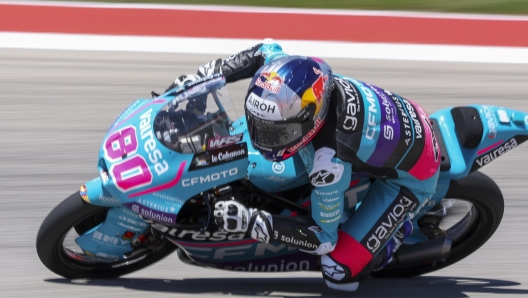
422,253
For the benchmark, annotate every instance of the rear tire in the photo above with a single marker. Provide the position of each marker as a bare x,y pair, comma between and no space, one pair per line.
486,197
74,212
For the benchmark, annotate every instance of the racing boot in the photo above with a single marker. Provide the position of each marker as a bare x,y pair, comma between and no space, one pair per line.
351,263
347,265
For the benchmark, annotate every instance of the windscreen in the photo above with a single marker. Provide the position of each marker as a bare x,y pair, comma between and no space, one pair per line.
194,116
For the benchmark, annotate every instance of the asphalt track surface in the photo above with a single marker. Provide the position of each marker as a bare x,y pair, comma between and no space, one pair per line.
55,107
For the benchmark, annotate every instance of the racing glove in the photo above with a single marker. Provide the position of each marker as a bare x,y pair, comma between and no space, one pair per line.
181,80
232,216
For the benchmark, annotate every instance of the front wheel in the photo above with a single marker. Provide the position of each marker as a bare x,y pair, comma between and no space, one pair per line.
72,218
482,205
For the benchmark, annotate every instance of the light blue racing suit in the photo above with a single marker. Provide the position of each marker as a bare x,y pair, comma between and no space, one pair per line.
370,134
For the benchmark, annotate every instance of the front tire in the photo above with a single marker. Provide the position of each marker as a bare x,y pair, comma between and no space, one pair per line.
74,213
488,208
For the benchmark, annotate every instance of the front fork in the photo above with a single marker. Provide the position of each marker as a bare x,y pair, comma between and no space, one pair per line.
113,238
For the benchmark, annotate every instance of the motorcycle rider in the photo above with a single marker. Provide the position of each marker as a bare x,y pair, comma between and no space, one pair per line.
339,127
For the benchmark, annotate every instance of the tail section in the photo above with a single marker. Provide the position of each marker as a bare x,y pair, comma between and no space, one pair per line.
476,135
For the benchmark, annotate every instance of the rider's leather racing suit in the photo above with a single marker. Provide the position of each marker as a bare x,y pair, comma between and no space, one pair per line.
368,132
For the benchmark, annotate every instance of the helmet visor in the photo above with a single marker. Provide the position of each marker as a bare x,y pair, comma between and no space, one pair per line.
276,135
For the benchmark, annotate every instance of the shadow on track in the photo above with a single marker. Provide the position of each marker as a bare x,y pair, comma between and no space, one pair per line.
429,286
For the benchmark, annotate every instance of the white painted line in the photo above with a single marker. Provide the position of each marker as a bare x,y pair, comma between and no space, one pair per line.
255,9
386,51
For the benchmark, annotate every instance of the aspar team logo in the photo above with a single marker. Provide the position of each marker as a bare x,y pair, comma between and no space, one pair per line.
269,81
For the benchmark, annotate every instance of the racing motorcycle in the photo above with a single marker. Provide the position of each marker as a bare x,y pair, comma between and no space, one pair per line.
166,161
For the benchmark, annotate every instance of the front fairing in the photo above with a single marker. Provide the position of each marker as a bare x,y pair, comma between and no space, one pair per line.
143,174
154,174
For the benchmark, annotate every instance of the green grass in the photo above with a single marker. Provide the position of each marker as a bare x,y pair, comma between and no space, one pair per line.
461,6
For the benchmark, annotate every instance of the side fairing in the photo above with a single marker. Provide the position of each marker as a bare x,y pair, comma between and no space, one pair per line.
250,255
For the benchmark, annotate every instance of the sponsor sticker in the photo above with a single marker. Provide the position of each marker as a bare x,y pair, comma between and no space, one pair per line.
105,239
270,81
414,117
278,167
262,107
224,141
372,123
155,215
137,225
166,197
109,200
331,214
219,156
209,177
299,242
503,116
84,193
166,207
349,119
327,221
395,214
329,207
271,266
490,120
494,153
194,235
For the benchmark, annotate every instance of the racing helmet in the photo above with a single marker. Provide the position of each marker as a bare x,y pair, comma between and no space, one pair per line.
286,105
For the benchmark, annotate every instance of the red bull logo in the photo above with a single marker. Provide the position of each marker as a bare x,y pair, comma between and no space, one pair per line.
314,94
318,85
269,81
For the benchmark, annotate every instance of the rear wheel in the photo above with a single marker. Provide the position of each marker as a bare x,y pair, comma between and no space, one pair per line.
474,207
59,253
